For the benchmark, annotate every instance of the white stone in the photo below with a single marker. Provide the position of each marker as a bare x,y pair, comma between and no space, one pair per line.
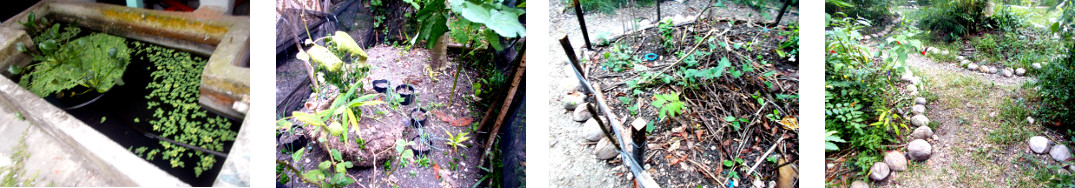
972,66
1036,65
896,161
581,114
1030,120
919,150
920,120
859,184
605,150
879,171
591,131
1020,71
571,101
1039,144
918,109
922,132
920,100
1060,153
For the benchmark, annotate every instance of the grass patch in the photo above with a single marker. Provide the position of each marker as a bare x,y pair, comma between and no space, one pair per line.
1043,174
1037,15
607,6
1013,128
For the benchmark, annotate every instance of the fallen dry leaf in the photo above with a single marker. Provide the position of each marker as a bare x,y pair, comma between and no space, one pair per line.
790,123
458,122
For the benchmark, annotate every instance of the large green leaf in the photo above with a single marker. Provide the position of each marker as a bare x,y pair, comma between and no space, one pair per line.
504,20
309,119
297,155
314,175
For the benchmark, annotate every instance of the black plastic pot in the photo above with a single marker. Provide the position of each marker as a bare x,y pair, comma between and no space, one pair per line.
407,92
71,102
380,85
418,117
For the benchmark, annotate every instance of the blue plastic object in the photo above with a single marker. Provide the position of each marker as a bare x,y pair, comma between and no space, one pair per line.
651,57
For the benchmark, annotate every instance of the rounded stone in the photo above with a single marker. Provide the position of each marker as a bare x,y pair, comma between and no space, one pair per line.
1039,144
919,120
922,132
918,109
920,100
572,101
605,150
1036,65
591,131
972,66
859,184
879,171
992,70
960,58
1020,71
1006,73
581,114
896,161
1060,153
919,150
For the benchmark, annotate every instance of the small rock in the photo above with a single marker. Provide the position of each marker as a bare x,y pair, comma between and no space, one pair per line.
829,166
992,70
912,89
919,120
922,132
896,161
944,52
1039,144
1060,153
918,109
983,69
972,66
572,101
907,77
879,171
644,22
1030,120
1020,71
1036,65
1006,72
919,150
581,113
592,131
605,150
920,100
960,58
859,184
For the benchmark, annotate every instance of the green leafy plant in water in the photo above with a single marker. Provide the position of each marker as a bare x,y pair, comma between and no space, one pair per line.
173,97
96,62
669,104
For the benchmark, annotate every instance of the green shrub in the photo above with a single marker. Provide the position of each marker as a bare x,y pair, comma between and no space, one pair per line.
860,91
950,20
866,9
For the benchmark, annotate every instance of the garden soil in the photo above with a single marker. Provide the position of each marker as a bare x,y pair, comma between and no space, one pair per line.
576,166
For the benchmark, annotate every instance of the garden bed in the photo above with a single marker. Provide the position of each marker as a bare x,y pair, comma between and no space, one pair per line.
740,99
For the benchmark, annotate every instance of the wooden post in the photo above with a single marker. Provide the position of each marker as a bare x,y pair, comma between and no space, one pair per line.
638,134
582,24
566,43
782,10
